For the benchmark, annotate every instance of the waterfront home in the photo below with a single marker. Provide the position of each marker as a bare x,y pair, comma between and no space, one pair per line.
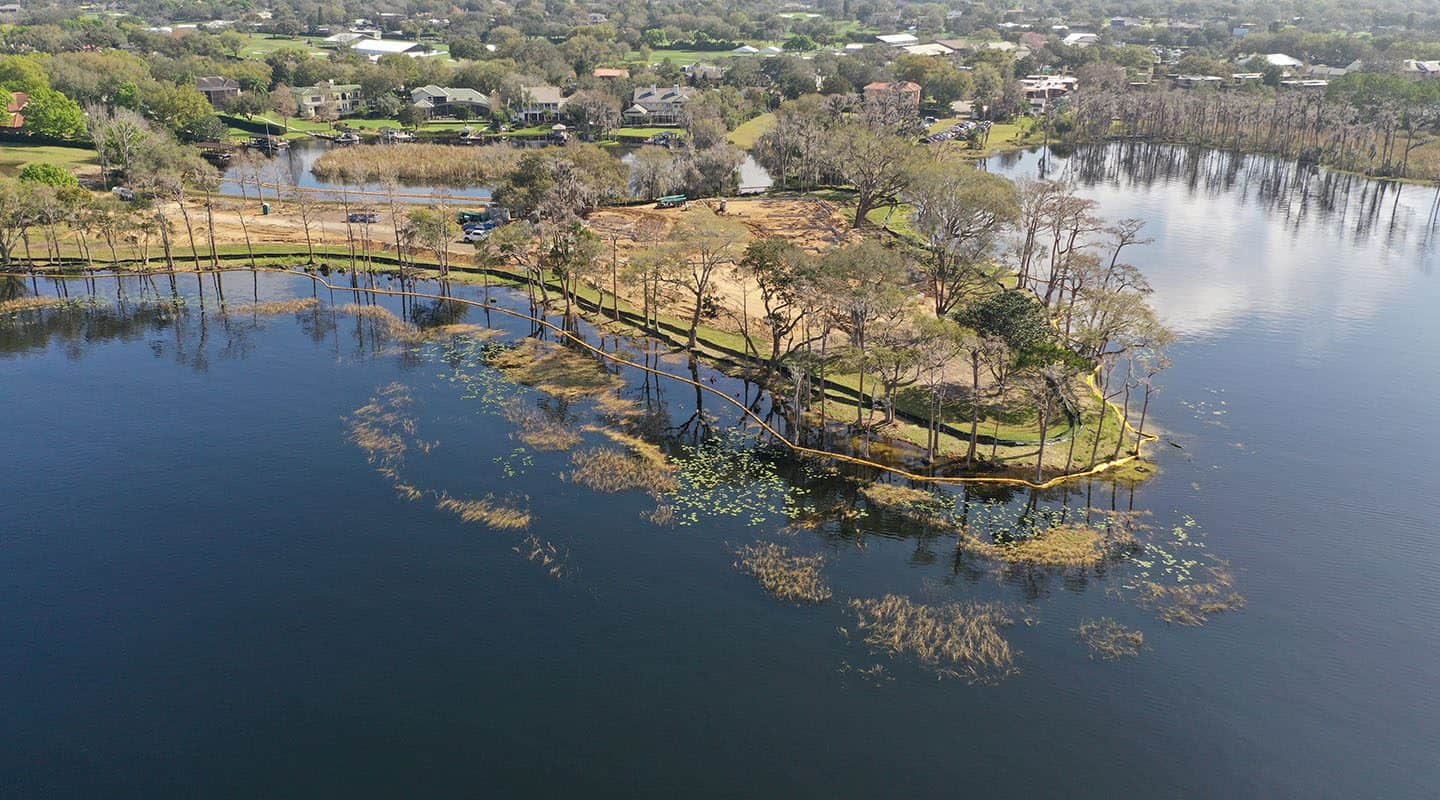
658,105
217,88
444,101
341,98
541,103
1042,90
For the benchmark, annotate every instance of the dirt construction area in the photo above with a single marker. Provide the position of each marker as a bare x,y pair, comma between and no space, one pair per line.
811,223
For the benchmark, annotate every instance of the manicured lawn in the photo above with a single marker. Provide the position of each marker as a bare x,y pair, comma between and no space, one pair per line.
744,136
639,134
262,44
15,156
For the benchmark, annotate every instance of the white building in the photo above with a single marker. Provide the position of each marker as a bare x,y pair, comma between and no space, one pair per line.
897,39
374,48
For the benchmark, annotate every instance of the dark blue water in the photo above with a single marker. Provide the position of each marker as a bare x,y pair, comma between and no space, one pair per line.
210,591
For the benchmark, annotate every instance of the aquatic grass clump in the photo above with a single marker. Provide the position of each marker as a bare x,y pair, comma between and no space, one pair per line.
487,510
1109,640
782,575
606,469
1174,576
540,430
960,640
555,370
22,304
271,308
891,495
1192,603
385,429
546,554
1057,546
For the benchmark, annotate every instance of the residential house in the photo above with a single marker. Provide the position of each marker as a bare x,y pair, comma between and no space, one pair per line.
444,101
342,98
903,93
541,103
745,50
704,73
217,89
611,73
9,12
654,105
930,49
1080,39
14,115
1327,72
1420,69
1244,78
1043,90
1198,81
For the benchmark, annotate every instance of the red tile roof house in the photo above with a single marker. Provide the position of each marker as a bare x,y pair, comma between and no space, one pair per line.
14,118
907,92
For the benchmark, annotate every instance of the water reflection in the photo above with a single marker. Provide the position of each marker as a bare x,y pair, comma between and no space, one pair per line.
1259,238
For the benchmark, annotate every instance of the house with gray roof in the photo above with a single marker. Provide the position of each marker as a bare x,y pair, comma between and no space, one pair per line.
444,101
658,105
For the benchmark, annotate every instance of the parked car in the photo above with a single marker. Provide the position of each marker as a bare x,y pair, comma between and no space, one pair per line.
476,234
368,217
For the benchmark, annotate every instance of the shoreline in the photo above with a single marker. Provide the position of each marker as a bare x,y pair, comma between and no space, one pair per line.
714,355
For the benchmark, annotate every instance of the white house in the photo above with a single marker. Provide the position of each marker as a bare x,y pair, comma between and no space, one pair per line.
1080,39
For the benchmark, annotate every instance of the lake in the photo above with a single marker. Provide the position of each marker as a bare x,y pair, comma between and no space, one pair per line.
212,588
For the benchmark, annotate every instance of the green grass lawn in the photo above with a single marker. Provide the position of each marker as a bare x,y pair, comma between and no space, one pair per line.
744,136
259,45
642,133
13,157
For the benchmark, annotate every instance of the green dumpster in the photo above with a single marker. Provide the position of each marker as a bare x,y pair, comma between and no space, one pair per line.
264,208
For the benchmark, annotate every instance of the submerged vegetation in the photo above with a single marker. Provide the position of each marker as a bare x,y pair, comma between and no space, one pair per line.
606,469
785,576
272,308
486,510
961,640
1108,640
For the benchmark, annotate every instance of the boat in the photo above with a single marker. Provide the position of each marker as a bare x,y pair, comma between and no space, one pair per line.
269,144
348,137
393,135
